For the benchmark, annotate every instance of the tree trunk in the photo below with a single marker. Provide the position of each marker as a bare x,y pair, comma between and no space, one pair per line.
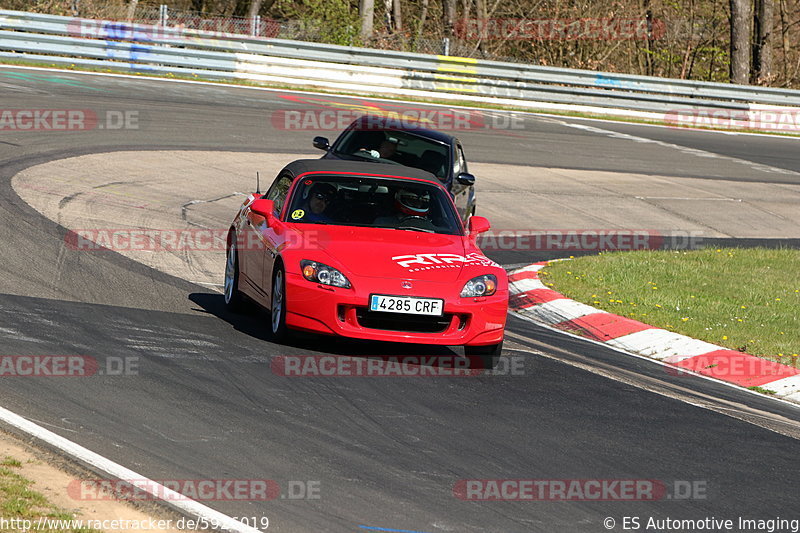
740,41
449,13
481,15
397,15
648,55
131,10
762,49
366,9
255,7
422,16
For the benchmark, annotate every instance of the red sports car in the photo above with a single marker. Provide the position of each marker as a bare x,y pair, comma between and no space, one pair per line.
370,252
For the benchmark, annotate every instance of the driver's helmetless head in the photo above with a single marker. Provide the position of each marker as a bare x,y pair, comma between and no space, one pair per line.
320,196
411,202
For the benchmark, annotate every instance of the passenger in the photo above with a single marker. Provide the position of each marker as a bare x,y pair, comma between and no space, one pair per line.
408,203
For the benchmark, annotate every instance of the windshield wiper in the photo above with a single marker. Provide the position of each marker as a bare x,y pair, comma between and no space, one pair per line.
413,228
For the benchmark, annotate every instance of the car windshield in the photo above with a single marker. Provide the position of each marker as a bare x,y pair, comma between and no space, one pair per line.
394,146
369,201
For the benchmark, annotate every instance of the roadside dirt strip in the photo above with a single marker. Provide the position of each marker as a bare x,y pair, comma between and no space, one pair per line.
56,478
532,299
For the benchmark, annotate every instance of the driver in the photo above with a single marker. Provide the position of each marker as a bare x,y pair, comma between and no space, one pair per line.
408,203
386,150
319,198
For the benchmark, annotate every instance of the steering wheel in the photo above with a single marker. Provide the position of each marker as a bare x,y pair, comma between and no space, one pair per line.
412,217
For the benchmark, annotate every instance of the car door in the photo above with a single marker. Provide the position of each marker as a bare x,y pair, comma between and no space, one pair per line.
258,247
274,236
461,193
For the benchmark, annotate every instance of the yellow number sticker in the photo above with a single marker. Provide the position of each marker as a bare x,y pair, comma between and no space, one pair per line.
297,214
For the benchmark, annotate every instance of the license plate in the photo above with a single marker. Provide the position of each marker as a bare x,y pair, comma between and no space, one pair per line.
406,304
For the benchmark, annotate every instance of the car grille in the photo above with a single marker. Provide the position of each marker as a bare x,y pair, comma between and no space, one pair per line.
402,322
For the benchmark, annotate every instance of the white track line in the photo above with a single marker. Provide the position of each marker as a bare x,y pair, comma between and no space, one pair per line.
98,462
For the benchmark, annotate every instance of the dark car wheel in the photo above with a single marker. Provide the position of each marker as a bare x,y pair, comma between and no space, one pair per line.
278,305
489,355
234,300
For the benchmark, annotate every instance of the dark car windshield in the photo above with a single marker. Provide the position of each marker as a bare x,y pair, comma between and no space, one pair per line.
368,201
395,146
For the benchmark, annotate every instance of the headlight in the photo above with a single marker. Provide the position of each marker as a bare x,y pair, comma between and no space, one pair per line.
322,273
480,286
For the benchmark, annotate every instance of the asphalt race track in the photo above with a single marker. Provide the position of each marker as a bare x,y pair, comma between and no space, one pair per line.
384,452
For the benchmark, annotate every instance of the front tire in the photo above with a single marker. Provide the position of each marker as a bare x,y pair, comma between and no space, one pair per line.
489,355
278,305
234,300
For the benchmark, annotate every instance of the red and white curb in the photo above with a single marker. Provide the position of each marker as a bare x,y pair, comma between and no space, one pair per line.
530,298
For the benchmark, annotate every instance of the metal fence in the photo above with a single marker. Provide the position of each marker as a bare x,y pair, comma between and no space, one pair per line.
162,49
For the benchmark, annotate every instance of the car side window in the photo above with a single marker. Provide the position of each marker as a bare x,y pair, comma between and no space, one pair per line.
278,192
461,162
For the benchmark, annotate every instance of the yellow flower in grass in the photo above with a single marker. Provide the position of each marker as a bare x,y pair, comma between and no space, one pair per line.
724,337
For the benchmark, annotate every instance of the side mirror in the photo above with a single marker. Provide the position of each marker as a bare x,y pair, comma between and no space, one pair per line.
322,143
265,208
466,179
478,224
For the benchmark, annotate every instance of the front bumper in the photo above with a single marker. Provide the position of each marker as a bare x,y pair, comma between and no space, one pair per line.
334,311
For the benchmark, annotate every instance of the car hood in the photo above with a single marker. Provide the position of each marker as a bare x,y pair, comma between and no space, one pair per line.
378,252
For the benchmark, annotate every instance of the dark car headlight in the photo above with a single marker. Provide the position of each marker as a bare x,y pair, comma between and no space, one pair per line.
480,286
324,274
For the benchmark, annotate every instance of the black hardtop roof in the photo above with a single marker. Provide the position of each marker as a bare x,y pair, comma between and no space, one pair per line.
301,166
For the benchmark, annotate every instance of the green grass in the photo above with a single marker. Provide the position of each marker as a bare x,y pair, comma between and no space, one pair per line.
762,390
18,501
742,299
424,100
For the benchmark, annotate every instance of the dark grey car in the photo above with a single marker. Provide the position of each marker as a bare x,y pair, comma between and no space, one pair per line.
381,140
